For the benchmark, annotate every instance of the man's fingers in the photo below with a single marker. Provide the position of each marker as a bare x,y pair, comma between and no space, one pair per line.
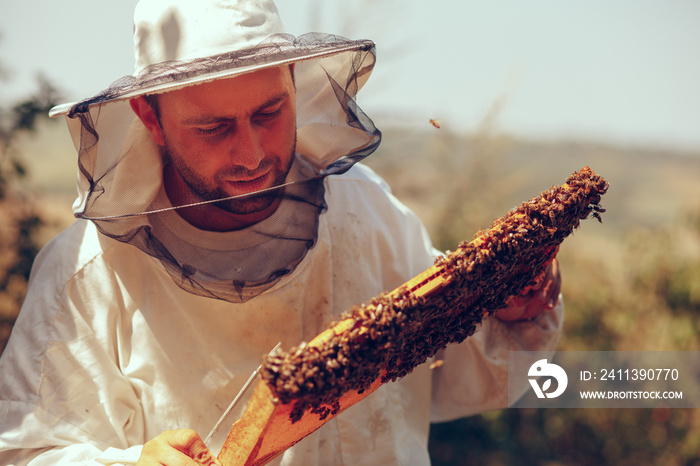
191,444
541,280
199,452
183,447
535,299
549,293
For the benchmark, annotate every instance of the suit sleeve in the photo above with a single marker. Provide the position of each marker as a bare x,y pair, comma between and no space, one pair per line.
63,399
474,375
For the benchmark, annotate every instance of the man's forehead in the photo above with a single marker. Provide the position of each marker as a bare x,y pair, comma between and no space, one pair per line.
227,113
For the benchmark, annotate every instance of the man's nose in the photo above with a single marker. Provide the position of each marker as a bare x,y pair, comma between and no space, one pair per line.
247,150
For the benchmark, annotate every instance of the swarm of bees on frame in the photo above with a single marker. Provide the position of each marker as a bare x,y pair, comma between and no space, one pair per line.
394,333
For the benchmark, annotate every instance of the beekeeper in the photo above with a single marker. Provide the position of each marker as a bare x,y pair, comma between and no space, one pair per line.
221,210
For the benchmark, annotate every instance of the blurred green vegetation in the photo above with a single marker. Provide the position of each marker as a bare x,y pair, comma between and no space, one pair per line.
20,217
631,283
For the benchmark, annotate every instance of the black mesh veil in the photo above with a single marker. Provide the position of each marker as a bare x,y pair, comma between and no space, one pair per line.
120,179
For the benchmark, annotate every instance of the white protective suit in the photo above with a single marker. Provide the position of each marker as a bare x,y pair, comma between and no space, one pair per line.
108,352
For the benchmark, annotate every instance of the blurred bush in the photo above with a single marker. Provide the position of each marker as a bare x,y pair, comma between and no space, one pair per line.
20,219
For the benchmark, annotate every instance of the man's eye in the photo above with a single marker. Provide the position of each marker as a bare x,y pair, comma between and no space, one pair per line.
210,130
268,114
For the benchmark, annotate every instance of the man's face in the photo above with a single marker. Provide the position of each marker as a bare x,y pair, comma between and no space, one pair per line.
231,137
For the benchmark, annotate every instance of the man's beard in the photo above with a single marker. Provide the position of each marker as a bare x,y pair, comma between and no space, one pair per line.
209,190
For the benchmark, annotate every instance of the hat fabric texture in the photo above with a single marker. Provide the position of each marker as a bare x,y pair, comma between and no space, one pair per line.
166,30
183,43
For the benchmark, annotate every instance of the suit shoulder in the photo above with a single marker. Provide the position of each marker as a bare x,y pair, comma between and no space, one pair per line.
362,174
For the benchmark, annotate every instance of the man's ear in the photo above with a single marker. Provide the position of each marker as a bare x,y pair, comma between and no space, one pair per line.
148,117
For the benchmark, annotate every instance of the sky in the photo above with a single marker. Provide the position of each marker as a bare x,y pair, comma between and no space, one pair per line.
623,71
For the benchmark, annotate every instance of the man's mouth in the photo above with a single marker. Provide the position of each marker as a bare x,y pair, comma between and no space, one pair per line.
249,185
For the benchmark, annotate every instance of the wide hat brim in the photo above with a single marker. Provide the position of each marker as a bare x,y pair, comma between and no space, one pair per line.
277,50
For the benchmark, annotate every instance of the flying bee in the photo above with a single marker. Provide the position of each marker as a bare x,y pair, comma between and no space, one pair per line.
435,122
436,364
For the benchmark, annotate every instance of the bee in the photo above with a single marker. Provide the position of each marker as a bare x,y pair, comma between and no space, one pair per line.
435,122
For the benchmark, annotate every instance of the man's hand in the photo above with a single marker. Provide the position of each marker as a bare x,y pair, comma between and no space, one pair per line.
182,447
534,299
